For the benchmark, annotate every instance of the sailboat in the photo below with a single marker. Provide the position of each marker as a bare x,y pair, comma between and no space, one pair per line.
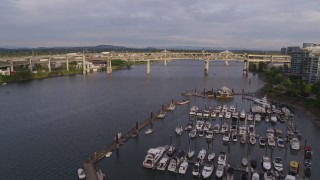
150,129
226,63
179,129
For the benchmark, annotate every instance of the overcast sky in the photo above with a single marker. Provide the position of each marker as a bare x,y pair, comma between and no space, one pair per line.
265,24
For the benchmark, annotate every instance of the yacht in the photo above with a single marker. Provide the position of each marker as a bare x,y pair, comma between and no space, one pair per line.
171,107
148,131
213,115
209,134
266,164
224,108
263,101
250,117
243,139
206,114
257,117
179,130
244,162
234,137
295,144
218,108
191,153
207,126
199,125
171,150
81,173
153,156
235,116
226,137
202,154
262,141
193,110
222,158
242,130
220,170
242,115
183,167
273,118
196,169
252,140
201,133
271,142
161,115
216,128
207,170
290,177
211,156
280,143
232,109
163,163
224,128
193,133
277,164
174,162
227,115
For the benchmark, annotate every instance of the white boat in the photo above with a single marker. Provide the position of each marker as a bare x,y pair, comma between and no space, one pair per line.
224,108
290,177
222,158
191,153
213,115
193,133
243,139
244,162
273,118
242,130
81,173
183,167
174,162
206,114
252,140
242,115
262,141
201,133
209,134
266,164
250,117
255,176
207,126
202,154
234,137
179,130
235,115
267,119
118,136
220,170
295,144
148,131
211,156
161,115
101,175
216,128
263,101
226,137
183,102
232,109
218,108
257,117
207,170
171,150
227,115
196,169
193,110
171,107
271,142
163,163
280,143
277,164
153,156
224,128
221,114
199,125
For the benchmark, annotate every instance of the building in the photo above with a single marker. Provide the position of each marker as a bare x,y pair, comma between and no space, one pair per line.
297,59
289,50
311,68
308,45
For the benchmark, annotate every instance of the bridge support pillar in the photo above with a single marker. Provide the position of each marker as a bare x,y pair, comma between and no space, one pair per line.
206,67
84,64
109,67
246,67
30,65
165,62
49,64
11,66
67,63
148,67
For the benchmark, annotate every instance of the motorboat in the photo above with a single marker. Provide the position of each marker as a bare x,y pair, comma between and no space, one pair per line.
262,141
266,164
271,142
244,162
227,115
233,128
295,144
189,126
171,107
171,150
206,114
242,130
255,176
224,128
251,130
252,140
201,133
179,130
273,118
278,132
199,125
220,170
149,131
207,126
211,156
183,102
280,143
183,167
277,164
153,156
216,128
221,114
293,167
226,137
202,154
209,134
193,110
242,115
234,137
290,177
232,109
207,170
81,174
224,108
193,133
268,176
235,116
163,163
161,115
262,102
199,113
213,115
190,153
174,162
218,108
267,119
243,139
290,134
250,117
257,117
196,169
222,158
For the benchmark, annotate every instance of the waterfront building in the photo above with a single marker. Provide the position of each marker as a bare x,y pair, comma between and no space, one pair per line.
311,68
289,50
297,59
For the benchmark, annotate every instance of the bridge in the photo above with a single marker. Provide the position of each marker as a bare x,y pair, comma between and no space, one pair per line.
108,57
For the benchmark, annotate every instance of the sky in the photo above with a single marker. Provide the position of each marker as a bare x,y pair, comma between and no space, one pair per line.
262,24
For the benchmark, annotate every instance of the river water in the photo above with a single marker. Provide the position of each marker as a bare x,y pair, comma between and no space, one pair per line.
50,127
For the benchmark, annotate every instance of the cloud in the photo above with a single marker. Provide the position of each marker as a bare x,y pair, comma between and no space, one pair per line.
141,23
